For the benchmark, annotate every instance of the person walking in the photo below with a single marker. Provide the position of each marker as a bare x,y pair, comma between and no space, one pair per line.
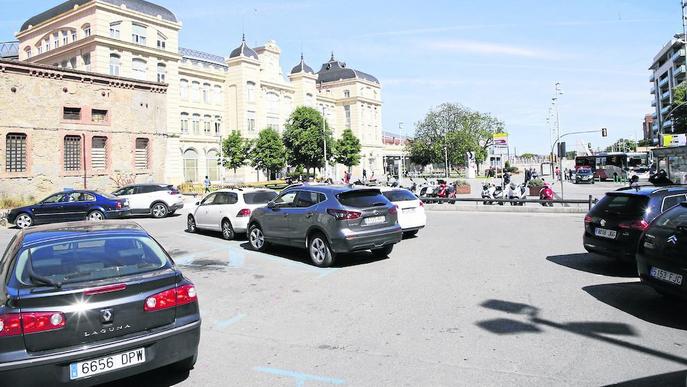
528,175
206,184
364,175
558,173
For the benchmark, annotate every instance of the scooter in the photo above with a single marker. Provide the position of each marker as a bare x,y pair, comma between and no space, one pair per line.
447,191
491,191
546,193
516,193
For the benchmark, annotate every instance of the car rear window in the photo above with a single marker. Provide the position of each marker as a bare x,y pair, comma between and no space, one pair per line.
624,205
362,198
89,259
399,195
259,197
672,218
106,195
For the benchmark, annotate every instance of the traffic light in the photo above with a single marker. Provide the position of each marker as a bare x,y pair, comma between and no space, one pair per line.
604,132
561,149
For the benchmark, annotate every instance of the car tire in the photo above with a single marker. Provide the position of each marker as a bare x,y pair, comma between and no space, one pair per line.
319,251
95,216
23,220
191,224
171,212
409,234
256,238
383,252
159,210
186,364
227,230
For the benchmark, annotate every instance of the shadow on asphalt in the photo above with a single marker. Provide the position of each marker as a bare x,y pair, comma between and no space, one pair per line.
161,377
671,379
642,302
301,255
596,264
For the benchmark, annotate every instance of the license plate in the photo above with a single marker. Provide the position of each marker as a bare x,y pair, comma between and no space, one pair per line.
92,367
375,220
408,210
666,276
604,233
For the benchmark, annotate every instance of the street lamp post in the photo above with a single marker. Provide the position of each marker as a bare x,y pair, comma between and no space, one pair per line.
400,170
554,100
324,138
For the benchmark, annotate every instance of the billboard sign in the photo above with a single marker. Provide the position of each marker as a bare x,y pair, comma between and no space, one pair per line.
674,140
500,139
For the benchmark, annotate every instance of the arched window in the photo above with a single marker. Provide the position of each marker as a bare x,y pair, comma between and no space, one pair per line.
195,91
272,102
190,165
250,91
161,72
347,94
56,39
65,38
115,64
86,29
212,163
139,68
138,33
183,89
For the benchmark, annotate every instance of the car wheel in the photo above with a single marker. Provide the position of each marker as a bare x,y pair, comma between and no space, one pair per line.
409,234
320,253
95,216
159,210
383,252
227,230
23,220
191,224
257,238
186,364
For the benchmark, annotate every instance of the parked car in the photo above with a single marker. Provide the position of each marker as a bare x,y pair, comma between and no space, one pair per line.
613,226
662,251
158,200
584,175
327,220
411,215
70,206
227,210
88,303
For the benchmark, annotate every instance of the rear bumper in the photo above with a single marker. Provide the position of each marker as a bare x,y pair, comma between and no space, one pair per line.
119,214
369,240
644,266
161,349
611,248
240,224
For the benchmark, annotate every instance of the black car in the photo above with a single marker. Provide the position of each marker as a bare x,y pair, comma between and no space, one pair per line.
584,175
662,251
613,226
86,303
71,205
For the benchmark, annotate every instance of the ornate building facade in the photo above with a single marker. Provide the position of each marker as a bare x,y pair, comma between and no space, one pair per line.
208,96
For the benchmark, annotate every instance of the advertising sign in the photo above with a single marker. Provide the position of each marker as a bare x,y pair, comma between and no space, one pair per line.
501,139
674,140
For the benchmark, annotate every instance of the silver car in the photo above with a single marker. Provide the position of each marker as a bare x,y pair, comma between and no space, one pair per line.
327,220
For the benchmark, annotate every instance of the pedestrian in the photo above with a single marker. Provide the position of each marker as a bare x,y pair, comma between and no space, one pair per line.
364,175
565,174
558,173
347,177
570,174
528,175
206,184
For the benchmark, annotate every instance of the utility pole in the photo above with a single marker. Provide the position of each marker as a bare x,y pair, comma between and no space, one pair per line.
403,152
554,100
324,138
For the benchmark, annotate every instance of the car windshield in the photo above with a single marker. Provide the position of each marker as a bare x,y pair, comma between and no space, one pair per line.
259,197
626,205
88,259
399,195
584,171
106,195
362,198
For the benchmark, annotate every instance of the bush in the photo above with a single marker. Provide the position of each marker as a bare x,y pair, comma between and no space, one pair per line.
461,183
14,202
538,182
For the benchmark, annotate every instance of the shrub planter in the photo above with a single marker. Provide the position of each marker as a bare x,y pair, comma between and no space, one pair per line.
463,189
534,191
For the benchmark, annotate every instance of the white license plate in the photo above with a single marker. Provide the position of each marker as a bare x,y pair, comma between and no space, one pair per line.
92,367
666,276
375,220
604,233
408,210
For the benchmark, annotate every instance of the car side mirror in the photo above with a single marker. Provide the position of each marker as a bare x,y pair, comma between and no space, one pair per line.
271,204
197,203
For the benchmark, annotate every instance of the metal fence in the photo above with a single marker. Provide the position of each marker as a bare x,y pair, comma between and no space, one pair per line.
563,202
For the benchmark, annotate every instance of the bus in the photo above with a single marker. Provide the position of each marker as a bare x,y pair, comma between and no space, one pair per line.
611,165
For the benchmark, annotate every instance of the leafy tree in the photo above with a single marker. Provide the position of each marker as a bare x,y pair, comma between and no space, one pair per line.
528,155
679,108
622,145
268,153
421,151
235,151
348,149
304,139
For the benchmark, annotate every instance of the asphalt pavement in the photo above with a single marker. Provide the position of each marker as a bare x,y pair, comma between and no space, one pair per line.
475,299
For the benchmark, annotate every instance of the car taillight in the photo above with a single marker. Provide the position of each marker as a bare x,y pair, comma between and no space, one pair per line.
393,210
31,322
587,219
343,214
118,205
422,204
639,225
180,295
173,192
243,213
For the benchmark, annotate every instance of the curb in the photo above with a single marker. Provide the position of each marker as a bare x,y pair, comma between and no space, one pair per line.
516,209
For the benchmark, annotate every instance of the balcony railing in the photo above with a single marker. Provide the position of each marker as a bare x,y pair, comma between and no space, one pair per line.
679,70
663,82
665,95
678,56
665,110
667,124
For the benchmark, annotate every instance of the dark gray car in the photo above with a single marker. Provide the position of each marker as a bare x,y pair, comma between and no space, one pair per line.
327,219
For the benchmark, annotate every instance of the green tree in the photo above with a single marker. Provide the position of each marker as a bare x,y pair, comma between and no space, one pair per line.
268,152
348,149
304,139
421,151
235,151
528,155
622,145
679,108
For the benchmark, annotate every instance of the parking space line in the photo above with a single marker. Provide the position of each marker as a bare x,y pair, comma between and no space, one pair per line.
300,377
221,324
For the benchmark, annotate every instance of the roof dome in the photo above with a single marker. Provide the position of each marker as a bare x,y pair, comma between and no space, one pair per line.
243,50
335,70
302,67
141,6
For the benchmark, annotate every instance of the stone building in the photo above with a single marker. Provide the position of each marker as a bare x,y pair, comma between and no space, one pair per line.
209,95
62,128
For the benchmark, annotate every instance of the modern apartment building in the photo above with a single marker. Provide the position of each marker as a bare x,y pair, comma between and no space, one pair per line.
668,70
208,95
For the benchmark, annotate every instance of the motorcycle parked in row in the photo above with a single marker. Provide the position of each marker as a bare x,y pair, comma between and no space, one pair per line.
491,191
546,193
516,192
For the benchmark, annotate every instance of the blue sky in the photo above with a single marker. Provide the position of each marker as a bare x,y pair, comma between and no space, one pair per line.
501,57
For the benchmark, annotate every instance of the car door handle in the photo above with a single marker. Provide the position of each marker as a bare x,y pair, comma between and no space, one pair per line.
309,215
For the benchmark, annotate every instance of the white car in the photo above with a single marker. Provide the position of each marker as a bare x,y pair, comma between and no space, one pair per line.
158,200
411,210
228,210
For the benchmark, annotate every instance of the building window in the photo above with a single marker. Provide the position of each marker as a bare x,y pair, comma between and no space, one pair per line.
196,124
161,41
72,62
272,102
74,36
309,100
184,123
40,49
72,153
347,111
212,163
250,91
99,115
207,125
183,89
195,91
218,95
86,30
138,68
142,155
218,126
28,52
250,121
71,113
15,152
115,64
56,39
206,93
161,72
138,34
86,61
273,122
190,165
65,38
98,152
347,94
46,45
114,29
